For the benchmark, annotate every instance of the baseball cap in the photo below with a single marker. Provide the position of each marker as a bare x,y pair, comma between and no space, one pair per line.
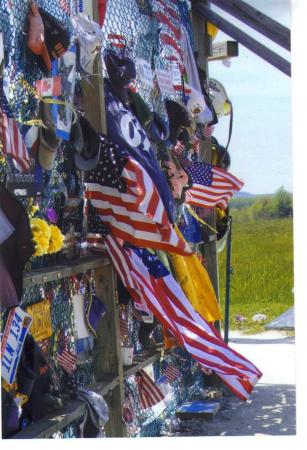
121,72
36,40
219,98
179,120
57,39
86,157
158,130
90,39
48,140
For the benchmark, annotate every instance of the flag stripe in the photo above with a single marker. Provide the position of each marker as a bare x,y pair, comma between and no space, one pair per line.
167,301
67,360
13,144
161,17
149,392
137,215
222,188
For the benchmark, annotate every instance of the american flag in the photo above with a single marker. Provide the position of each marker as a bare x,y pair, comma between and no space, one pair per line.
179,148
163,18
208,130
169,10
10,136
95,228
171,372
126,198
167,301
65,5
67,360
44,345
149,393
211,185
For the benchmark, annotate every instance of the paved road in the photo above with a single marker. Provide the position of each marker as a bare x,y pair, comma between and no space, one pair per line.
270,410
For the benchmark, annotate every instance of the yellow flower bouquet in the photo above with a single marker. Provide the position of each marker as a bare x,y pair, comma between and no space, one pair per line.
47,238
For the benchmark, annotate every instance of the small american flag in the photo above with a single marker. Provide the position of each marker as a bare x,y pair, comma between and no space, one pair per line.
67,360
179,148
196,145
149,393
208,130
211,185
172,373
13,143
44,345
10,136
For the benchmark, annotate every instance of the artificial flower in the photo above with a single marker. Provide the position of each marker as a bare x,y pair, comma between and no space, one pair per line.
41,235
56,240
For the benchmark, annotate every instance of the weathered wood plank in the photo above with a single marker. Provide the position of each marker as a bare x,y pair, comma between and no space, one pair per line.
107,356
140,365
224,50
255,19
252,44
55,422
208,250
59,271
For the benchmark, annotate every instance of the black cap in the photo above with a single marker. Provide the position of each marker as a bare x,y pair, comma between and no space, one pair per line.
88,157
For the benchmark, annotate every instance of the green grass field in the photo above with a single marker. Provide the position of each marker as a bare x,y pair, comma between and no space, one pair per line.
262,265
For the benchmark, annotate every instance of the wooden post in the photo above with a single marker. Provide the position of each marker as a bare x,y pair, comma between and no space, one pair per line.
93,104
107,358
203,47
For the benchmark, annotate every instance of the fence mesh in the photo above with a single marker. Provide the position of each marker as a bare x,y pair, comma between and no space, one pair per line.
149,30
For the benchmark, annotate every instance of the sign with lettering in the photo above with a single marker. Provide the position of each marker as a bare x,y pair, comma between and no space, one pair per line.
144,71
41,320
23,184
176,75
165,81
15,332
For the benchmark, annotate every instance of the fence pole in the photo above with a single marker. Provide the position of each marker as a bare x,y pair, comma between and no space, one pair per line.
228,276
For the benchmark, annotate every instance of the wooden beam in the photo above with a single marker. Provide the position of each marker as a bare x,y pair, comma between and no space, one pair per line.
252,44
257,20
81,265
141,364
107,354
57,420
224,50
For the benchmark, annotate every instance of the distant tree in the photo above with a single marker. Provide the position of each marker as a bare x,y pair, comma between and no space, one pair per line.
282,203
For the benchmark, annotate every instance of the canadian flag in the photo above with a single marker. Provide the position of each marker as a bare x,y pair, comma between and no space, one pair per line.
49,87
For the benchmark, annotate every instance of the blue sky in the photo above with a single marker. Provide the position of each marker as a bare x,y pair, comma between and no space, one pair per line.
261,144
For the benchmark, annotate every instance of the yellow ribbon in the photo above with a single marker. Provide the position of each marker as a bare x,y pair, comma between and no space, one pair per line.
52,101
193,213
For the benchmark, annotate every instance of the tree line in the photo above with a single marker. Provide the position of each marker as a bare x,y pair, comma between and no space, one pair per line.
276,206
